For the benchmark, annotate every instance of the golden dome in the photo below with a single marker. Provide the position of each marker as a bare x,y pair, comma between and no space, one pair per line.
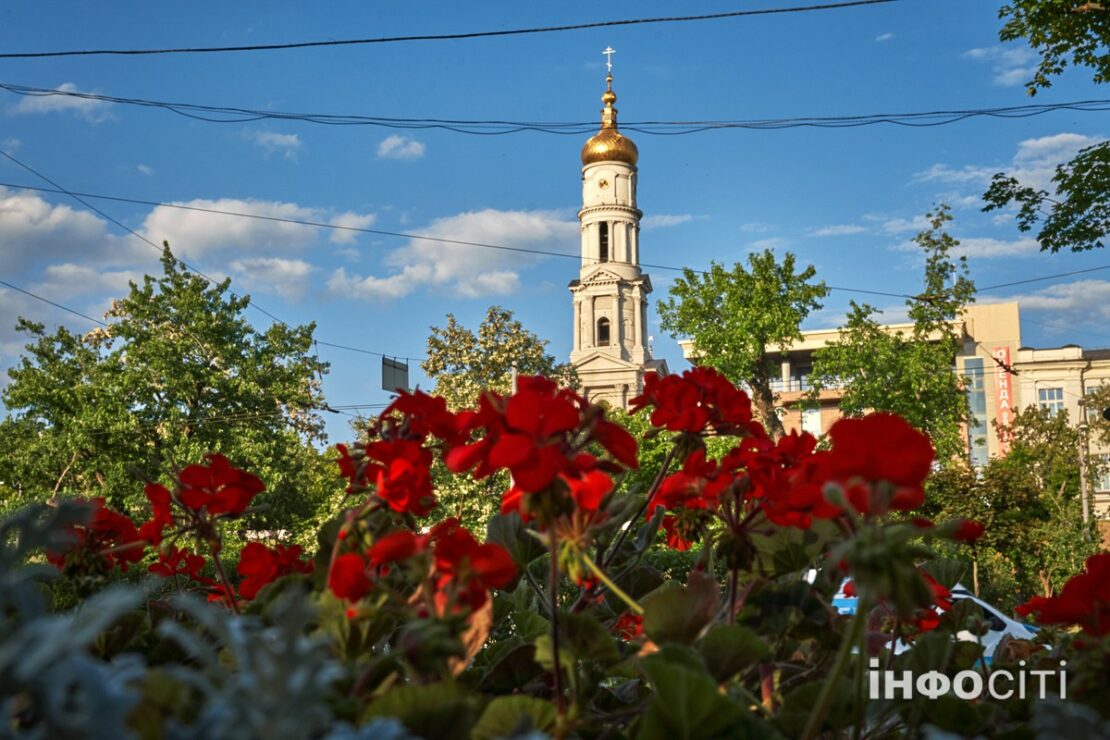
609,144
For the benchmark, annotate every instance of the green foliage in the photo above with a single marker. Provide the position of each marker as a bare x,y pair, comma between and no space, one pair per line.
178,373
1077,215
1029,503
735,317
463,364
908,373
1063,32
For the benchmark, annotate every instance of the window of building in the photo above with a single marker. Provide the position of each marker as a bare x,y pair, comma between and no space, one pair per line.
603,332
977,430
1051,399
603,255
1102,473
811,421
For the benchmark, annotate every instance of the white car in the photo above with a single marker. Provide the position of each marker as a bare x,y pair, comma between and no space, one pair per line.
998,622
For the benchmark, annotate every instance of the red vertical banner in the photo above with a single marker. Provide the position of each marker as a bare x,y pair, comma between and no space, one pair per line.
1004,397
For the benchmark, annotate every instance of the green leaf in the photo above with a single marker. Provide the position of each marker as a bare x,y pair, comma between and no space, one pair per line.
686,704
438,710
581,638
677,613
509,531
798,705
507,716
729,649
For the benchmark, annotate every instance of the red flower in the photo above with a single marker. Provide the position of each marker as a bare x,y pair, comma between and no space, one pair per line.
183,562
259,566
969,531
589,490
465,570
1084,600
107,540
395,546
629,626
928,619
880,448
617,442
425,415
162,512
348,579
695,400
218,487
403,475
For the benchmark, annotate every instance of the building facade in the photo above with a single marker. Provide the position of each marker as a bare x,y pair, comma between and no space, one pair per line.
610,297
1003,378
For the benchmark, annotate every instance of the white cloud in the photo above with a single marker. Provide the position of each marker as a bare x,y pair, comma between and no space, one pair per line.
976,247
33,229
895,226
350,220
145,169
838,230
400,147
94,111
467,271
1010,66
67,279
285,144
11,144
193,233
756,227
883,37
773,243
286,277
1066,306
1033,164
664,220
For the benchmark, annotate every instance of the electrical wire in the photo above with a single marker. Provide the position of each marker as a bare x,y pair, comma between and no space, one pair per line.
441,37
230,114
1043,278
52,303
59,189
403,235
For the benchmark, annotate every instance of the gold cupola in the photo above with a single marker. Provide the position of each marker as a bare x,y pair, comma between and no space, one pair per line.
609,144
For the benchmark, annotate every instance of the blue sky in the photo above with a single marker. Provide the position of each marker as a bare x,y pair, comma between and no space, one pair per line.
845,200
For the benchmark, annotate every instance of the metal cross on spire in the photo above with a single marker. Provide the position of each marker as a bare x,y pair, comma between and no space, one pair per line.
609,52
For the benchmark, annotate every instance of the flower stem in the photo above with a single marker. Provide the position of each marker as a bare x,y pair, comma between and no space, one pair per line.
633,606
228,590
553,589
825,698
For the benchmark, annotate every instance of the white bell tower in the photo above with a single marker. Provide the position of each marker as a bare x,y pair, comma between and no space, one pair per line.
611,352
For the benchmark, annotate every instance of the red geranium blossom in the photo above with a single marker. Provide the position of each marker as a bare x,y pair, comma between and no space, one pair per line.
161,509
700,398
880,448
348,579
179,562
403,474
465,570
260,565
1084,600
109,539
629,626
218,487
969,531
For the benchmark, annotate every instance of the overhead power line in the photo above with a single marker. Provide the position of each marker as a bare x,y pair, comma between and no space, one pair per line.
52,303
1044,277
403,235
233,114
441,36
80,199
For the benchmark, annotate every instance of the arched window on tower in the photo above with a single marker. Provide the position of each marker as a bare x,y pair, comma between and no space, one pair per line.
603,332
604,251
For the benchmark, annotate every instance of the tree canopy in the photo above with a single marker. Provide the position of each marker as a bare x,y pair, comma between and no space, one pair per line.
464,363
910,372
735,317
1075,214
177,373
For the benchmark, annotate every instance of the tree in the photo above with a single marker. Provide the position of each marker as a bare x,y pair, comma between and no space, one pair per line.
735,317
177,373
1029,503
463,364
908,374
1077,215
